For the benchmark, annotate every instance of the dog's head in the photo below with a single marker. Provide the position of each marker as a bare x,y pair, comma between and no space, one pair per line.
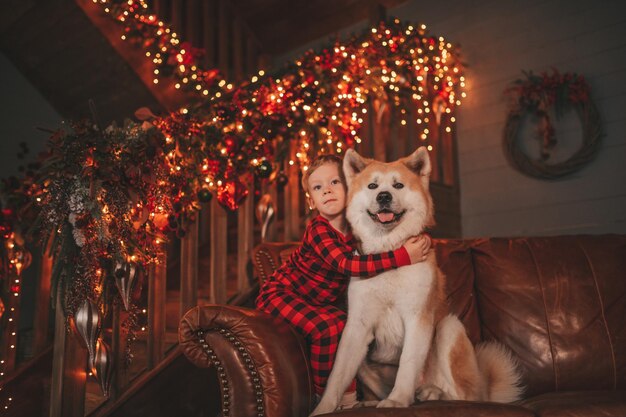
388,202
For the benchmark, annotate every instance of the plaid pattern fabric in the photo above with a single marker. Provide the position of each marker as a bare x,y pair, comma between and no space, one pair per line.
320,325
304,291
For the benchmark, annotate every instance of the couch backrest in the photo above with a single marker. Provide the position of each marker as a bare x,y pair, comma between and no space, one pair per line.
559,303
268,256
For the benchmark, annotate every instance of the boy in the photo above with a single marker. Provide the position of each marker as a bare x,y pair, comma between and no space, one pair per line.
304,291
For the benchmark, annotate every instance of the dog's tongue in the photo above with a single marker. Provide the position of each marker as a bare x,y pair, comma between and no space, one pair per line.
385,216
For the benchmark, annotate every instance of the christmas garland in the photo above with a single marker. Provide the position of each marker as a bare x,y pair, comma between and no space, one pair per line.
317,102
108,197
539,95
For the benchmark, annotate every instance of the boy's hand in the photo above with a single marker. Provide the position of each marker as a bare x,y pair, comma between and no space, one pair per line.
418,248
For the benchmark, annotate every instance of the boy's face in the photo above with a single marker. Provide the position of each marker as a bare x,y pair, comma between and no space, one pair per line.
327,192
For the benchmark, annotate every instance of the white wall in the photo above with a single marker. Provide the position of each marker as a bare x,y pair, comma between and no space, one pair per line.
499,39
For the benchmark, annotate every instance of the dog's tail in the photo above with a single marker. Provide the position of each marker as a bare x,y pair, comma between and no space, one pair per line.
500,372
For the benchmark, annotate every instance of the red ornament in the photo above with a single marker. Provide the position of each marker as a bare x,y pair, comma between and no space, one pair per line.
230,143
231,194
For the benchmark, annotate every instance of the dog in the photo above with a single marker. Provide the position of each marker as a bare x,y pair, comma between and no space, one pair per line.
400,317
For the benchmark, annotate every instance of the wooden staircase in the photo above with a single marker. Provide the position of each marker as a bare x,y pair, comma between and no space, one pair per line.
72,52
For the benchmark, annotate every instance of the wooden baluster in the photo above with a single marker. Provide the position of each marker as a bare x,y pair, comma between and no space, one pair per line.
447,150
189,268
209,24
69,376
376,12
379,110
219,253
158,8
435,154
272,190
42,303
238,50
380,129
176,17
414,139
292,199
251,56
192,22
399,144
223,36
364,148
245,239
118,350
156,312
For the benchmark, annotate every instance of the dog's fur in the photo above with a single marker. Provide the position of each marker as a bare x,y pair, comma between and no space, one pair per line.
400,316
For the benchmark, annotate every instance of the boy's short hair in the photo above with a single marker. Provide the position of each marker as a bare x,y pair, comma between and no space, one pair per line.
318,162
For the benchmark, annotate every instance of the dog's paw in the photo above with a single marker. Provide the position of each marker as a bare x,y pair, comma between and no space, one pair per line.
323,408
429,393
387,403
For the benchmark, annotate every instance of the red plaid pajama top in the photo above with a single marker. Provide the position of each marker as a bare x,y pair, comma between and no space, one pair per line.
305,289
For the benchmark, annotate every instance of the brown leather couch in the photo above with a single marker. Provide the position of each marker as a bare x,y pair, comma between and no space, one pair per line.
559,303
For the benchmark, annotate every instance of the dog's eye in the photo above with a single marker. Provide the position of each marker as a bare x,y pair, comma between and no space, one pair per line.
398,185
372,186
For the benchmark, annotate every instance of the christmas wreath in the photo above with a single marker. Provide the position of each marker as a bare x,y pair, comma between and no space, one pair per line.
538,95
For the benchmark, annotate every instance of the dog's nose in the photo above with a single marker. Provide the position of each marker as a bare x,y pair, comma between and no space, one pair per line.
384,197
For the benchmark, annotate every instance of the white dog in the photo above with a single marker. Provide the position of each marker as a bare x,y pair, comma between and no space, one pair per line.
400,316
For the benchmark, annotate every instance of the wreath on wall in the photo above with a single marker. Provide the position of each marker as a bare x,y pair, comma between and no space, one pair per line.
538,95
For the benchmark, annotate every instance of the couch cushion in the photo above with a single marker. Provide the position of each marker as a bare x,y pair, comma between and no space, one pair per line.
441,409
578,404
559,303
454,258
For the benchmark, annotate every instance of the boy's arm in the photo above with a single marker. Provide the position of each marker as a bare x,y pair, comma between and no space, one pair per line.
339,255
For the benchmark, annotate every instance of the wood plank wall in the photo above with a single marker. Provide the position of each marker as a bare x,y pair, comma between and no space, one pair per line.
499,40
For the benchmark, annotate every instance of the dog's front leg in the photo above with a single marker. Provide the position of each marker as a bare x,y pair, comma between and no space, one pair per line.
415,348
351,352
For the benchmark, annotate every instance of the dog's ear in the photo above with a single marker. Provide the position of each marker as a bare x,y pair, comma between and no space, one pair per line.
353,163
419,162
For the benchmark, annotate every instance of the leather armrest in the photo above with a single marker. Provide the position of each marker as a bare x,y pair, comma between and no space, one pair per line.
262,365
267,257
